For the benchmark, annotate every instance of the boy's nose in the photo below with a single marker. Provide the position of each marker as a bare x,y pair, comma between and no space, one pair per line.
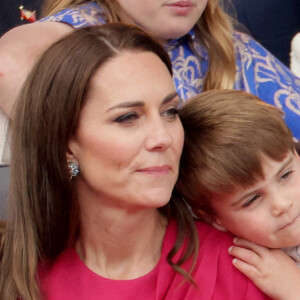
280,204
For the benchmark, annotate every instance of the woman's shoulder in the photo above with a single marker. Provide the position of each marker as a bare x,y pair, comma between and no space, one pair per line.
87,14
208,232
214,244
58,276
214,269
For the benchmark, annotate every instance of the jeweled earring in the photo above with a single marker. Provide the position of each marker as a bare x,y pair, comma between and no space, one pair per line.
73,169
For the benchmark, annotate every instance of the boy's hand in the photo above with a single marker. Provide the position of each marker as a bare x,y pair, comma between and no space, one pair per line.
271,270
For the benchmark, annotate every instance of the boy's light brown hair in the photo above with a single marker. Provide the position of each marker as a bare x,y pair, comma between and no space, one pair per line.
227,133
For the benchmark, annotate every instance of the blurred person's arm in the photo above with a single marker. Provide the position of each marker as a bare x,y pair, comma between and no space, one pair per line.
19,49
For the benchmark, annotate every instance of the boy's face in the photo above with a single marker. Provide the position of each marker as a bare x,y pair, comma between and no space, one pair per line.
267,213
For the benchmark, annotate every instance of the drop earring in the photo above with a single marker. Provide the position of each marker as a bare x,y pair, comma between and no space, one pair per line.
73,169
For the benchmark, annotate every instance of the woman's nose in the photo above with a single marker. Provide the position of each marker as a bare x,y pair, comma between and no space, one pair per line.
159,138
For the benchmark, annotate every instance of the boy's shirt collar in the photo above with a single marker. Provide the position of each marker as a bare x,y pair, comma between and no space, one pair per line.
294,253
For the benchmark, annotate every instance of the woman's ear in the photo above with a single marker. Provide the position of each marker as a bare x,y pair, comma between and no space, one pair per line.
218,225
72,150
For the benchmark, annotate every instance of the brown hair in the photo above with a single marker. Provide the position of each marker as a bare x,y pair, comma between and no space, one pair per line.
226,134
214,30
2,231
42,219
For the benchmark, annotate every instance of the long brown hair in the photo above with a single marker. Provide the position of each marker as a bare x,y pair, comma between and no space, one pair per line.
42,219
214,29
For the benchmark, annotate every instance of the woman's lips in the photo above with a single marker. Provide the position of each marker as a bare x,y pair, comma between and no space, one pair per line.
156,170
181,7
181,4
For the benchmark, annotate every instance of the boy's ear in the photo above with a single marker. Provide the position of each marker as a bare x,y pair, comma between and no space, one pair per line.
218,225
215,222
202,215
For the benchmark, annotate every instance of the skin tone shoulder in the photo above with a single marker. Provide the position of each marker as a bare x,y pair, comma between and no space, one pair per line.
19,49
128,145
266,214
21,46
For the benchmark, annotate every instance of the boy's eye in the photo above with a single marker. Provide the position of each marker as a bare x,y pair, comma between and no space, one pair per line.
127,118
171,113
250,201
286,175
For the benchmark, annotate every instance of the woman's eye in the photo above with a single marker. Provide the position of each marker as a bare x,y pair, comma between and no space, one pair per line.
250,201
171,113
286,175
127,118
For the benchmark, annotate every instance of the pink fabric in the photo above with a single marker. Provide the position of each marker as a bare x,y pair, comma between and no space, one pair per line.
68,277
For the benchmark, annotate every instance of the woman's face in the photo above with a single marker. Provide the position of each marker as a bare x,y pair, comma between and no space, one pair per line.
129,140
164,19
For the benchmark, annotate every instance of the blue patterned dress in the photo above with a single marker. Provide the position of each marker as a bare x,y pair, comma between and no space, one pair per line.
257,70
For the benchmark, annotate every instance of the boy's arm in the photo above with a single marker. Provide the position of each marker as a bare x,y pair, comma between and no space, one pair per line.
271,270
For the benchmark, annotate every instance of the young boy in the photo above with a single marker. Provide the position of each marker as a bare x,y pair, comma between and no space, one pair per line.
240,172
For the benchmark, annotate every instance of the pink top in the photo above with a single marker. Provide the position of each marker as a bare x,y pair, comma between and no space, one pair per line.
68,277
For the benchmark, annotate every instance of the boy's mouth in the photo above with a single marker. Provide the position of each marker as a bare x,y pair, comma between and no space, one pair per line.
289,223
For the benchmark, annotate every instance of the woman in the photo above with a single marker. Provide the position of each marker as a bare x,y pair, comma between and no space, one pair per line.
96,147
205,52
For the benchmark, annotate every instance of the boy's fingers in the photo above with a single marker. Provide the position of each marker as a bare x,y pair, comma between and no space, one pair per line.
248,270
260,250
245,255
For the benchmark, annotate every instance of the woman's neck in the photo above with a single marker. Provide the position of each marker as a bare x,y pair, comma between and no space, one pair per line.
118,244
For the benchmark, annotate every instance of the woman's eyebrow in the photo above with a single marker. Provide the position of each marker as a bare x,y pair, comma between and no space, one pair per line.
169,97
127,104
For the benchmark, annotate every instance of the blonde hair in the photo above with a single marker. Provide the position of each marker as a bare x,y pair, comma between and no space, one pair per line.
214,29
227,133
